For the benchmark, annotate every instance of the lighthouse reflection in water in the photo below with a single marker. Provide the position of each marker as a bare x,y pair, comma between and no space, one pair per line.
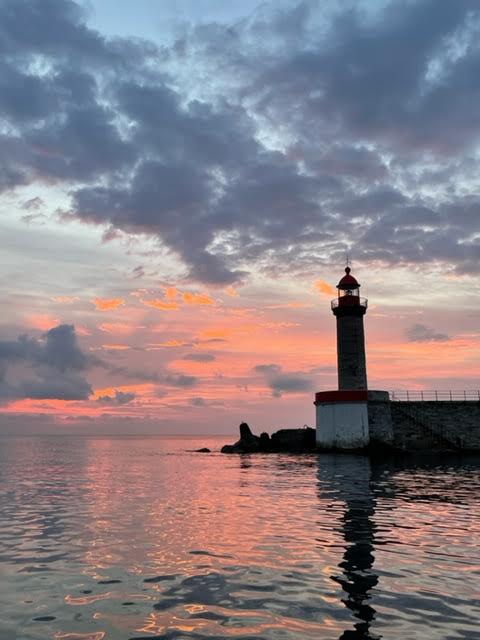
348,479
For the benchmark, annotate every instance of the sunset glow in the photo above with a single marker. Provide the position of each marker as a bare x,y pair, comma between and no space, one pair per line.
172,243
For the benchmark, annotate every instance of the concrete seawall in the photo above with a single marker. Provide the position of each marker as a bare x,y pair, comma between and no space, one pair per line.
437,425
424,425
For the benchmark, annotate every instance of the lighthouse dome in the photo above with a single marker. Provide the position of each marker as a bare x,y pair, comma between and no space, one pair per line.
348,281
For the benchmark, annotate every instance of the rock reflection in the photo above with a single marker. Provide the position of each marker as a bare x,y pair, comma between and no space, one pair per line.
348,478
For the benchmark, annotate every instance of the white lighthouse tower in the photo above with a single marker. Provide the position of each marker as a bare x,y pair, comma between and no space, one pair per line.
342,415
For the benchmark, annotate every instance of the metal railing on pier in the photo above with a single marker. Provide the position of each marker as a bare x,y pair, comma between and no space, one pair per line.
436,395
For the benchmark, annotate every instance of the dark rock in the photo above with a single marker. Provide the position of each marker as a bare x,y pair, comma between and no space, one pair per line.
264,441
247,440
294,439
245,431
203,450
228,448
248,443
286,440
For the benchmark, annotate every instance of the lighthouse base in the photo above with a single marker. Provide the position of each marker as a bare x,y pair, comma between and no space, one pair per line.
342,419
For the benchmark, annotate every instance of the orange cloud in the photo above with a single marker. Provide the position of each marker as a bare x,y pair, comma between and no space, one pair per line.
289,305
28,405
161,304
122,328
42,321
215,333
116,347
279,325
171,293
107,304
168,343
231,291
197,298
325,288
82,331
65,299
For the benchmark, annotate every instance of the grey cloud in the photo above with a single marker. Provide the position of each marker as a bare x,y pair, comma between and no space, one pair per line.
203,402
69,387
58,349
198,402
369,75
160,378
199,357
57,30
421,333
33,204
61,350
284,382
134,374
180,380
267,368
138,272
289,383
60,126
48,368
353,162
322,143
81,146
119,398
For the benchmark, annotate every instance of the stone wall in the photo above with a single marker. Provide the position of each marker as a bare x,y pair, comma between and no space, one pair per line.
436,425
380,417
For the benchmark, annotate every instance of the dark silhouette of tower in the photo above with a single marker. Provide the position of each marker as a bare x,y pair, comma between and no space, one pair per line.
349,479
349,310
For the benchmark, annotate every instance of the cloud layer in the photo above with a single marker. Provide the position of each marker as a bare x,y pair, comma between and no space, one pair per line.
341,129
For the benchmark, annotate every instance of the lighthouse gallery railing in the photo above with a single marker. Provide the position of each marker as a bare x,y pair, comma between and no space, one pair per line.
354,301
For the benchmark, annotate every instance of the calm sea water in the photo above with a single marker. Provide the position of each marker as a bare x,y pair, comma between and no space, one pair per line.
122,538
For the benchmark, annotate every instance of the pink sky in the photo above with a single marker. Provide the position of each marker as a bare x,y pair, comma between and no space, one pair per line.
198,349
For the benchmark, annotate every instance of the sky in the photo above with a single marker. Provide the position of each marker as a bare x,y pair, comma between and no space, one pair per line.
180,185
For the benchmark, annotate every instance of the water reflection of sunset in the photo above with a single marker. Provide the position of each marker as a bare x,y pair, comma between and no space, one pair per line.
154,539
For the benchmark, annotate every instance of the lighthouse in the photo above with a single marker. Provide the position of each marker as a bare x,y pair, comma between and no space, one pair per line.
349,309
342,415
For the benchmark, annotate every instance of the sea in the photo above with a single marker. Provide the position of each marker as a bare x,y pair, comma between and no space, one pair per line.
122,538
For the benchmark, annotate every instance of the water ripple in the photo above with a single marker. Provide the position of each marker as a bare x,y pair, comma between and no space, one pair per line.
122,539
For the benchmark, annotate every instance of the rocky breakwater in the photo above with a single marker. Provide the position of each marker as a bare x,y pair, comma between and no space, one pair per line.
284,440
